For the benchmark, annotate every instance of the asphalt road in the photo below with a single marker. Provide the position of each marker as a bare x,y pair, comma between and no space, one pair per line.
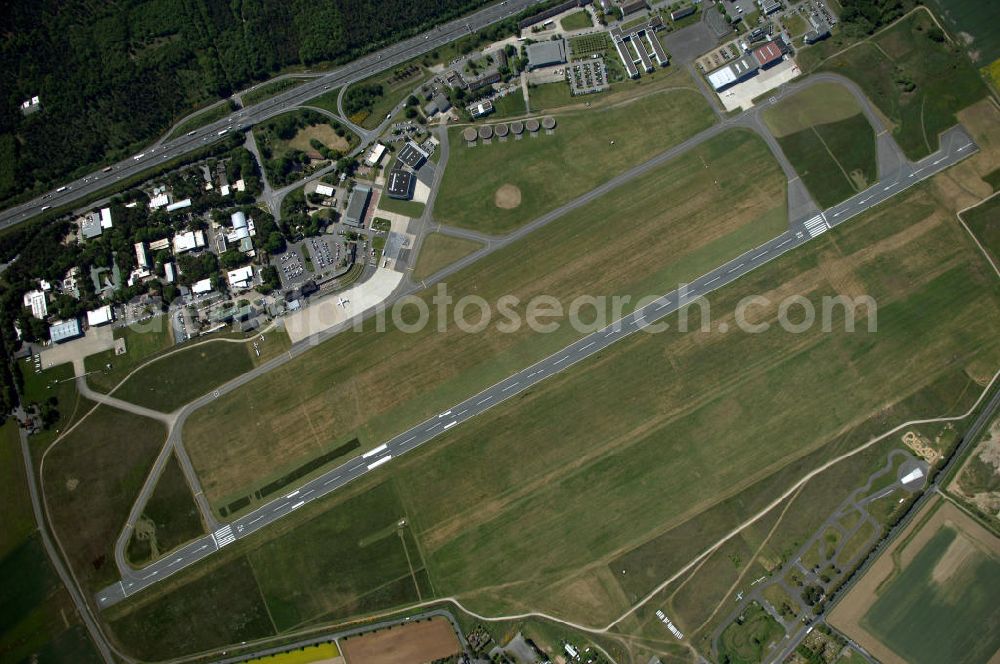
354,71
955,146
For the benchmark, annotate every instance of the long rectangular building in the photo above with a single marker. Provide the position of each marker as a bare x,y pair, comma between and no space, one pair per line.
739,69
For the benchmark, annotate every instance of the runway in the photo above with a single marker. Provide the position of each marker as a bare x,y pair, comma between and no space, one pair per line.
955,146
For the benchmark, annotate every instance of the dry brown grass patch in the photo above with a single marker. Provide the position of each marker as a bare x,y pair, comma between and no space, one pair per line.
507,197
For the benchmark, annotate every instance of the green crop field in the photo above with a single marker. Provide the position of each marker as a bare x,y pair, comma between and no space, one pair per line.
828,140
942,606
91,479
984,221
681,224
170,518
38,621
748,641
577,21
439,251
587,148
918,83
976,25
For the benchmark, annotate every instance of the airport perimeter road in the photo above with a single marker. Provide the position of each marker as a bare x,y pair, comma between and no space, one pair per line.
354,71
955,146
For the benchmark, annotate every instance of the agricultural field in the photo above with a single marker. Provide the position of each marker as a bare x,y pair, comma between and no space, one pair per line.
38,622
90,480
984,221
323,653
421,641
431,370
169,519
577,21
974,25
439,251
828,140
586,45
550,170
918,82
931,595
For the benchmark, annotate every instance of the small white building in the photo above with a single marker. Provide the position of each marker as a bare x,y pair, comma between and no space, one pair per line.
188,241
160,245
240,278
140,255
100,316
105,218
375,155
170,274
201,287
179,205
324,190
159,200
38,303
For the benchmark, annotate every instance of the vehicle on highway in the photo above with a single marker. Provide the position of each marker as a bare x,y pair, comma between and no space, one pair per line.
107,169
139,156
192,132
223,131
63,188
46,207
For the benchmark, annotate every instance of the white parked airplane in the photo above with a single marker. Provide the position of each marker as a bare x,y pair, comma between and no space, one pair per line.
342,302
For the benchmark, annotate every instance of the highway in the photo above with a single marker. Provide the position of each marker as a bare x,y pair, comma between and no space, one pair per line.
356,70
955,146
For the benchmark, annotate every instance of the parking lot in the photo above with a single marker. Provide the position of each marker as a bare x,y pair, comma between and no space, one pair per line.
325,253
587,76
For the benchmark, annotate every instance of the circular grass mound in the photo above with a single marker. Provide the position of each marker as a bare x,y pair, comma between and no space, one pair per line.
507,197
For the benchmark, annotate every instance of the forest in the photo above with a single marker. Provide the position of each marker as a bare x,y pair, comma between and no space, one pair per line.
112,76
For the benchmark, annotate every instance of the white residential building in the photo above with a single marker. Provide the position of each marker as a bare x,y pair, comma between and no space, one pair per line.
159,200
169,272
179,205
376,154
324,190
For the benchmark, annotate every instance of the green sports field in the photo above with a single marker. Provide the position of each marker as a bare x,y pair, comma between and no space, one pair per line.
588,147
917,83
829,141
941,610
